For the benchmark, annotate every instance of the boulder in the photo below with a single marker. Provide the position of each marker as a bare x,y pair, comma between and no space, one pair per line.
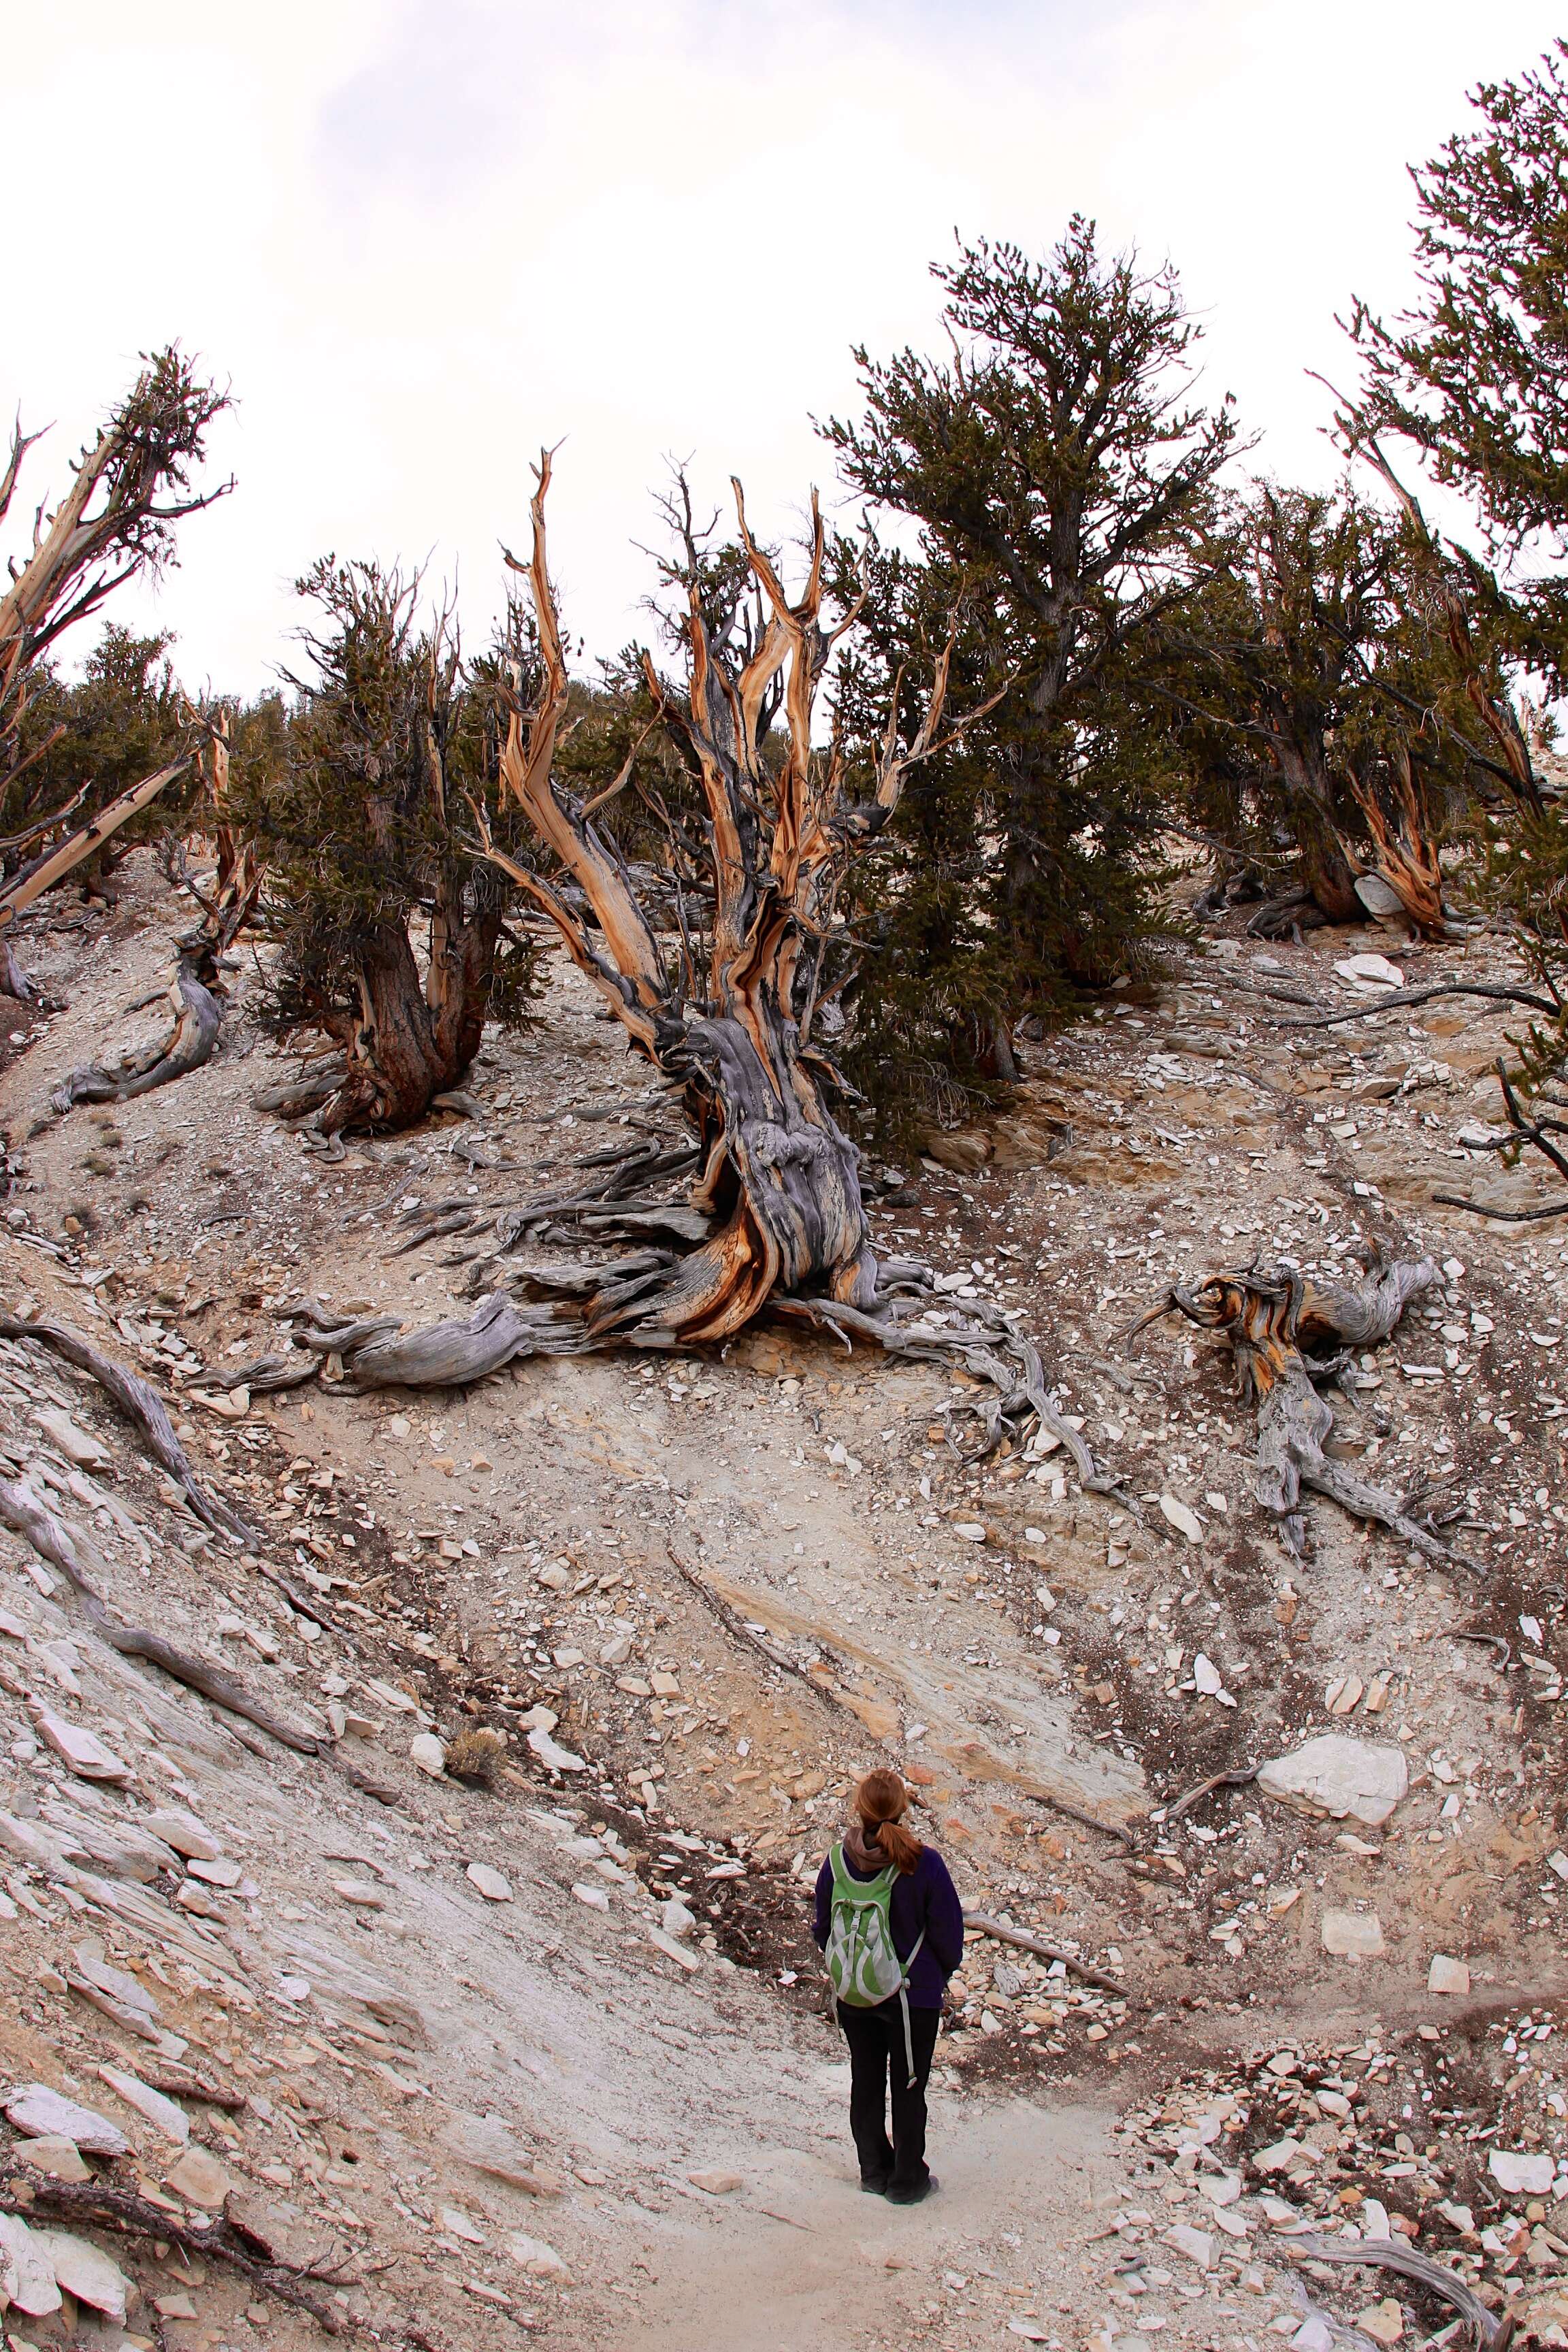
200,2180
1339,1776
77,1747
163,2114
182,1831
490,1883
58,2157
487,2143
1352,1934
1380,900
77,1444
1519,2173
539,2260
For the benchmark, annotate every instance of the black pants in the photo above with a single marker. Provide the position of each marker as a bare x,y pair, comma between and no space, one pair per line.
876,2039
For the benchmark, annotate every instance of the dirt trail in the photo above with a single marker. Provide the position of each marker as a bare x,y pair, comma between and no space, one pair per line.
845,2270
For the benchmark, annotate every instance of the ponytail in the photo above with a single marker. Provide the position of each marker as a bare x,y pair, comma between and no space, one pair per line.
881,1801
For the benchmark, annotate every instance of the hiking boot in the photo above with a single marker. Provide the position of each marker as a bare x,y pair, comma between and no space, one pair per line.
914,2192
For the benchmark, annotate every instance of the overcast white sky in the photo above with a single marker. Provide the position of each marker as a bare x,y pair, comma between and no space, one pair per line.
419,238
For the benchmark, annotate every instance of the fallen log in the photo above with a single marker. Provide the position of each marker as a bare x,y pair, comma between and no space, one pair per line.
198,1019
1491,2331
80,844
982,1924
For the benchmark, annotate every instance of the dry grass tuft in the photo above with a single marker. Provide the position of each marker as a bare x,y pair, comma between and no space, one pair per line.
476,1754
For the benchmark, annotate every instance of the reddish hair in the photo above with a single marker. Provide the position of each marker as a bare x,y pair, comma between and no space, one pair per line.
881,1801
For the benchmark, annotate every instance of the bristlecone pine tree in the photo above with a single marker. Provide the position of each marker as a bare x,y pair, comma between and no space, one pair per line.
779,1177
363,828
127,493
776,1217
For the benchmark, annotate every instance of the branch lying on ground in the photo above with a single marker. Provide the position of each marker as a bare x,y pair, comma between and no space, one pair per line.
736,1625
52,1541
142,1406
1524,1133
1390,999
980,1922
1193,1796
98,2202
376,1353
1502,1217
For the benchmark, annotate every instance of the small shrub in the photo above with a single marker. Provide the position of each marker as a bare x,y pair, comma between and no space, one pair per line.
476,1754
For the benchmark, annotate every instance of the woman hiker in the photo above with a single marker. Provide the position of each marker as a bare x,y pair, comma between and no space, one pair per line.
890,1925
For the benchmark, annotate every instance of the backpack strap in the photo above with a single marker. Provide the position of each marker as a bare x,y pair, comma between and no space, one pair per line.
904,2007
847,1888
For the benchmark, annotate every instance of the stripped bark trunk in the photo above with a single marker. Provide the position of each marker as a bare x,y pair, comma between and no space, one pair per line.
776,1199
1404,841
409,1039
78,845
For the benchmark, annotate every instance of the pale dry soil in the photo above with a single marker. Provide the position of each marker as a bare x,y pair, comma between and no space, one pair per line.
480,1557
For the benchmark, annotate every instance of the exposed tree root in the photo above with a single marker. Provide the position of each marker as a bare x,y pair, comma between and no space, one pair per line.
52,1541
1269,1319
101,2205
375,1353
1489,2330
144,1409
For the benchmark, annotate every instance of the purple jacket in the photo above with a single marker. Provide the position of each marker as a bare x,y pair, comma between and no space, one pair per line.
926,1899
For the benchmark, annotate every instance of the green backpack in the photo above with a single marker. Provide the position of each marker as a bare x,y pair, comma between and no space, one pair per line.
863,1965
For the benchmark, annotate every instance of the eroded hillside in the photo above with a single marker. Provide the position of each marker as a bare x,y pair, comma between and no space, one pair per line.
544,2048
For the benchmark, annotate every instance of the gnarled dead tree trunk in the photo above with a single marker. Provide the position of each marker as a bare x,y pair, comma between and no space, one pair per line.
779,1177
1285,1335
775,1219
